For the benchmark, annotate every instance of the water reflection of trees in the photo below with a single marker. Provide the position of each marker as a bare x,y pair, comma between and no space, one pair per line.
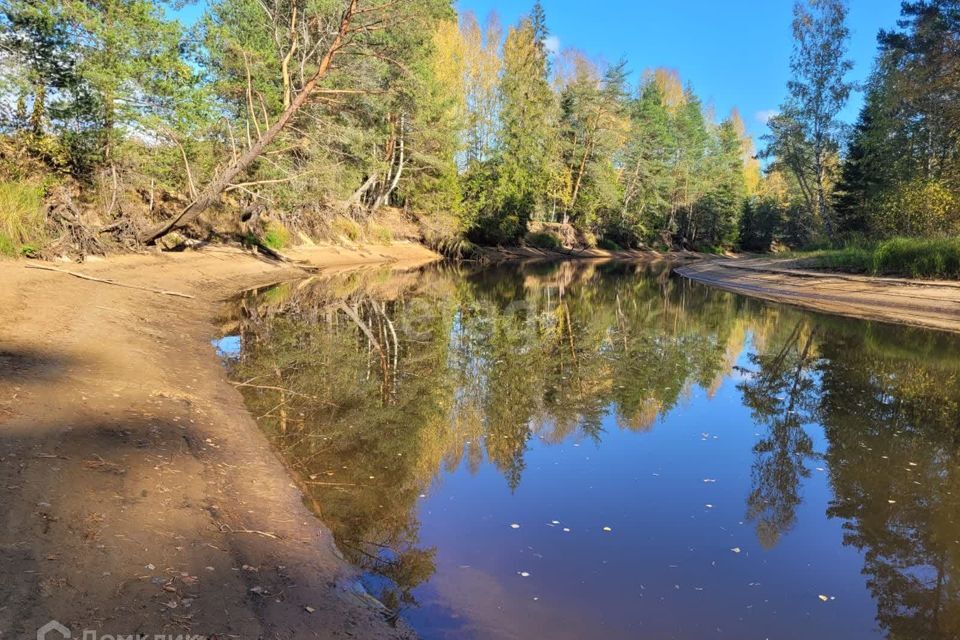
887,399
781,393
890,411
370,384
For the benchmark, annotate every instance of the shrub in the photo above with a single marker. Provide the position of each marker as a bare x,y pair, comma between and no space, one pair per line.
497,230
609,245
916,209
587,239
543,240
450,245
276,236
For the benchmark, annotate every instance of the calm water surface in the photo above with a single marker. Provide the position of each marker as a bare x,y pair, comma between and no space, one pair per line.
605,451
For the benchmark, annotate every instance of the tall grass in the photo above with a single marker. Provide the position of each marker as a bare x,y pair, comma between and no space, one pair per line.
918,258
909,257
346,228
379,233
852,259
21,216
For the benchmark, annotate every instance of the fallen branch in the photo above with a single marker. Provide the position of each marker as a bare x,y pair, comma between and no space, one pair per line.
113,282
210,195
272,388
225,528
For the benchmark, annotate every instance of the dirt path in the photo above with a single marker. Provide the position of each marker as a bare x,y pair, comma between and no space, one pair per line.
932,304
137,495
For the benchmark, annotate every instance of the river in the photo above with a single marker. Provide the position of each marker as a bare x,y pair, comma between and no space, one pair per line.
584,450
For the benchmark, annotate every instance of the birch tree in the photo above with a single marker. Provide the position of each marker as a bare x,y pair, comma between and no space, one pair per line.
819,90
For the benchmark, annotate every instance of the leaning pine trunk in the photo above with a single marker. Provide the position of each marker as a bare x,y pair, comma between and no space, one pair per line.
211,193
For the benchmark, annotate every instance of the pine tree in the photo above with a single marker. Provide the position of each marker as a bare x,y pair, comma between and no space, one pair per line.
527,117
591,127
647,179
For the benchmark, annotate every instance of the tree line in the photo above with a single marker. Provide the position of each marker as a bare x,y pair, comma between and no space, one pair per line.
896,172
122,122
291,105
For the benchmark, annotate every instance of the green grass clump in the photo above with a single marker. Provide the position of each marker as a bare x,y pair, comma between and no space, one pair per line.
906,257
543,240
21,217
7,246
346,228
276,236
853,259
379,233
919,258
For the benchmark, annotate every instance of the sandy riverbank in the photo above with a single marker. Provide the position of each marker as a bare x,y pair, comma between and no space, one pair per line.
138,495
933,304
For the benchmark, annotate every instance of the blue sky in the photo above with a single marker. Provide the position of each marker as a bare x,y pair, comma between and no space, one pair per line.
735,52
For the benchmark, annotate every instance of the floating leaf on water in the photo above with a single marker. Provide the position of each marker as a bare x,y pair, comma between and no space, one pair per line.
735,549
892,501
607,529
514,526
523,574
554,522
708,506
708,480
823,597
566,530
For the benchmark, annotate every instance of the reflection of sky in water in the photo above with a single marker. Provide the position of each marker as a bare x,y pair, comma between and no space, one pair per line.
764,472
666,569
227,346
